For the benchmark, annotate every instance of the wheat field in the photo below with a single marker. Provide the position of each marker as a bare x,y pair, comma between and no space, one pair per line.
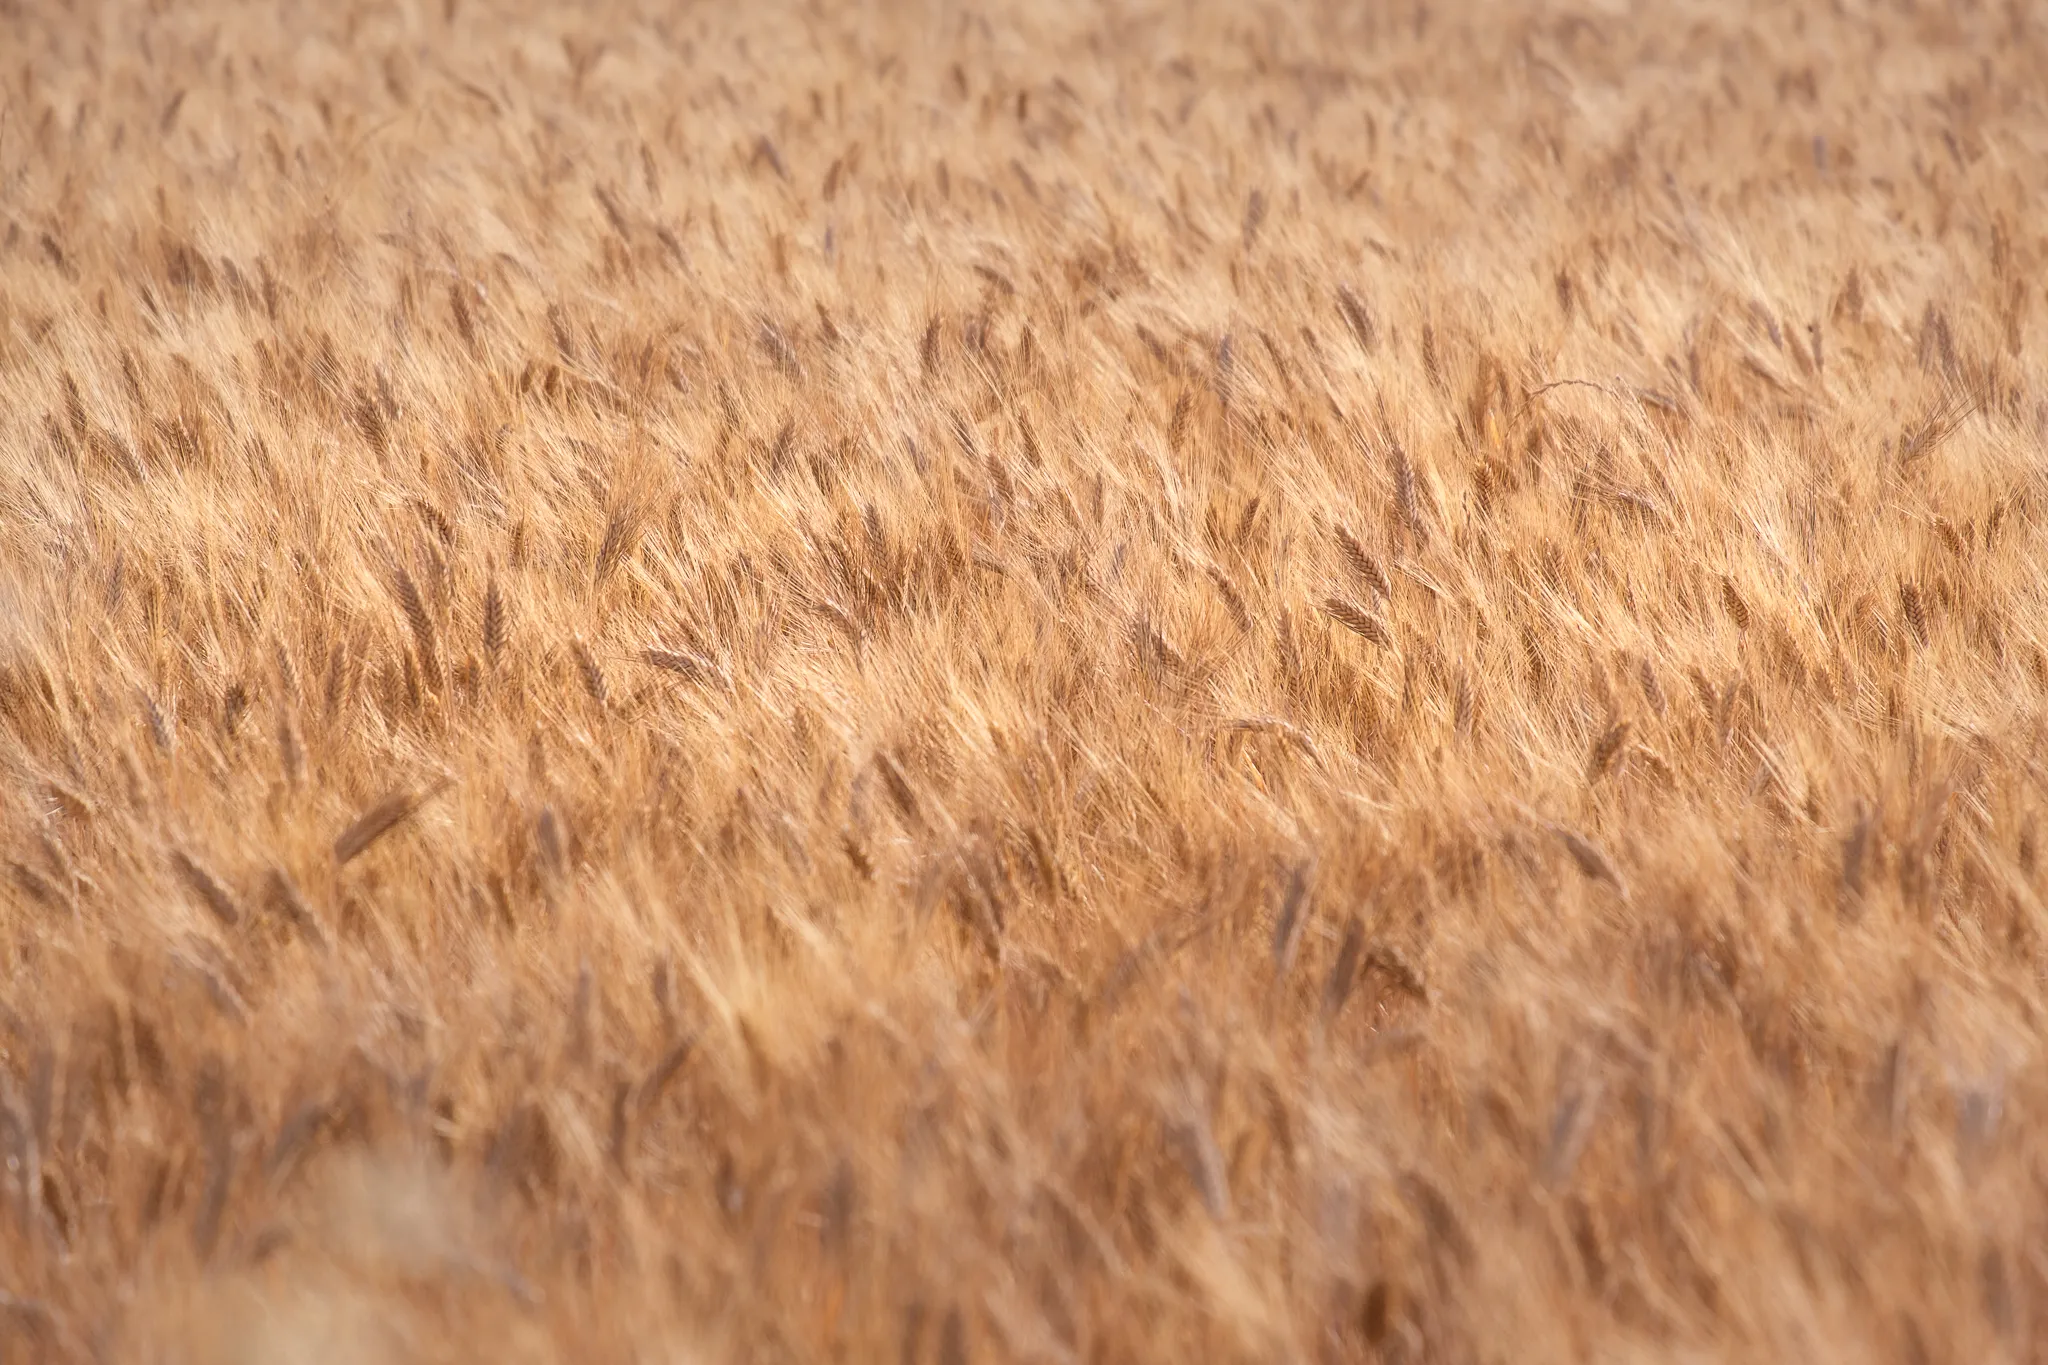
1046,682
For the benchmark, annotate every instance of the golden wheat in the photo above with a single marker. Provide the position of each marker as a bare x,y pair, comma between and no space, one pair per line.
1275,681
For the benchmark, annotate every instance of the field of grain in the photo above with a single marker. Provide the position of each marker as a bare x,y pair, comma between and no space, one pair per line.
1045,682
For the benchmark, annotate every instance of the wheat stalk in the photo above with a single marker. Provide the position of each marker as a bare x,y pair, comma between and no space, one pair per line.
1358,620
381,818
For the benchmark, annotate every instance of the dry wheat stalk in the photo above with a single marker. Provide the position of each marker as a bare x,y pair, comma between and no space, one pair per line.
205,886
1362,563
1606,750
1358,620
1344,971
690,667
381,818
1288,927
421,624
588,671
1591,862
494,621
